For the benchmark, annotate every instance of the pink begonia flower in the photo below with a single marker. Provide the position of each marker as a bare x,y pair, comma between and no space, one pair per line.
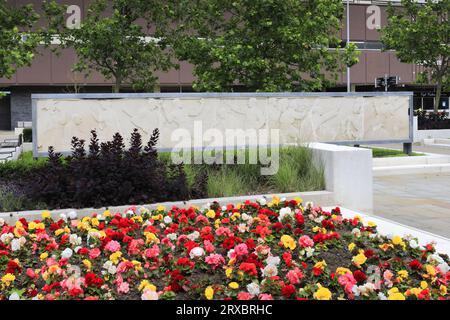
112,246
202,219
244,296
209,247
305,242
215,260
223,231
152,252
294,275
30,273
148,294
265,296
348,281
134,245
241,249
124,287
388,275
94,253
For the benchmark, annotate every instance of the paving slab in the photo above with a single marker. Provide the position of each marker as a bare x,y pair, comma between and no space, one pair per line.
421,201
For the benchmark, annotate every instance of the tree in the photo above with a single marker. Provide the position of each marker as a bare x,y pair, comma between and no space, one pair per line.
265,45
113,40
17,42
420,34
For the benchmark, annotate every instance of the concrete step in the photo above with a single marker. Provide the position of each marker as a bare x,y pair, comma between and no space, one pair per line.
411,169
415,160
7,150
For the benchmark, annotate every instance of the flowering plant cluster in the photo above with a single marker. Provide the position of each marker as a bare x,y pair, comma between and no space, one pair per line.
269,249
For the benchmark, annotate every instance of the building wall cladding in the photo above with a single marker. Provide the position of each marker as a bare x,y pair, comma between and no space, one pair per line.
50,69
5,121
20,105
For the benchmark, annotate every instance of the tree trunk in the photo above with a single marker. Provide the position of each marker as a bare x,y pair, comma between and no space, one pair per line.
438,95
118,84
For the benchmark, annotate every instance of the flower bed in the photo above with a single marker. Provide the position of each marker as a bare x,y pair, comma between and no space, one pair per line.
257,250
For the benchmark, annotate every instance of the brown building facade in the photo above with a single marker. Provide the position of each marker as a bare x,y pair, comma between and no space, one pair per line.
52,73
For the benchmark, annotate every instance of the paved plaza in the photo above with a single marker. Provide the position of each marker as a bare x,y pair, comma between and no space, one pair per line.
420,201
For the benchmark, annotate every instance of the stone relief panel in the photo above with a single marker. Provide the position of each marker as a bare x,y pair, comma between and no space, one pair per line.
299,119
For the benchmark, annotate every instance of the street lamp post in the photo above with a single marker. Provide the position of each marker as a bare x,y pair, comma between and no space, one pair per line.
348,41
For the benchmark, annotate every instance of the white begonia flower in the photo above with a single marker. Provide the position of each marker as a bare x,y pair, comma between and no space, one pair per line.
148,294
172,236
14,296
110,267
242,228
167,220
75,240
15,245
196,252
245,217
6,237
77,248
285,212
253,289
72,214
63,216
274,261
413,244
67,253
130,212
270,270
2,222
381,296
356,232
193,236
283,199
262,201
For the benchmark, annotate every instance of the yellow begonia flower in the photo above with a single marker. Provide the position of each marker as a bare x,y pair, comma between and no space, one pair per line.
342,271
423,285
211,214
145,284
275,200
59,231
288,242
359,259
209,293
443,290
351,246
298,200
45,215
43,255
95,222
114,257
431,270
371,224
322,294
395,294
403,274
233,285
107,214
228,272
8,278
151,237
320,265
161,208
87,264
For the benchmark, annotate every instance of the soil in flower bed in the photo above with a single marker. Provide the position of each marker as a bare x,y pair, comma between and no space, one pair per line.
269,249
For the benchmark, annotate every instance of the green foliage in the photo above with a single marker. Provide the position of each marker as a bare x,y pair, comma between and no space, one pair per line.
111,40
384,153
420,34
297,172
267,45
17,44
21,167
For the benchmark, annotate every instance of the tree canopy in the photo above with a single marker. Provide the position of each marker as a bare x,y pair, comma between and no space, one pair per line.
120,39
420,34
17,42
266,45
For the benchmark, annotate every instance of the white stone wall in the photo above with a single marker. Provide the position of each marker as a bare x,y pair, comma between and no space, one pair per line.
299,119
